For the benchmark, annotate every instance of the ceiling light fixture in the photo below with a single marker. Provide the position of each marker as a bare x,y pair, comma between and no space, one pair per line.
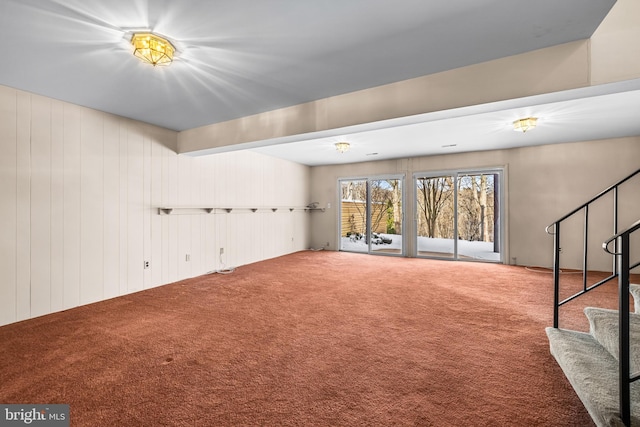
523,125
342,147
152,49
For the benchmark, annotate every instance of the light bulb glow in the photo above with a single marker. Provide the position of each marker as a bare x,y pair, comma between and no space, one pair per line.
342,147
152,49
523,125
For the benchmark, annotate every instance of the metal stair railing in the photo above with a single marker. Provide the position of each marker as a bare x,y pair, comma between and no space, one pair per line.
623,258
554,229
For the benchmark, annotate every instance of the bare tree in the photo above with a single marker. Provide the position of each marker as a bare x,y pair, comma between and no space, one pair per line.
381,202
482,199
356,192
396,204
475,208
434,194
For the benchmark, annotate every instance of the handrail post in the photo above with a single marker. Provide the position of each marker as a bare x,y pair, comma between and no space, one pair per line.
623,325
615,227
556,274
585,251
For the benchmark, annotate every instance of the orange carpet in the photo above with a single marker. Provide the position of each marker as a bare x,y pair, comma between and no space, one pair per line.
308,339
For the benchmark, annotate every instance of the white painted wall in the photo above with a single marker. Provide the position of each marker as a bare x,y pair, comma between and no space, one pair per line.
615,51
546,70
79,191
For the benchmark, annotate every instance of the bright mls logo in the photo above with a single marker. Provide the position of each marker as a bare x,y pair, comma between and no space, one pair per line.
34,415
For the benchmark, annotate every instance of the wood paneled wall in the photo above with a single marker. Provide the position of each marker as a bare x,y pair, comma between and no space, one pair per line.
79,192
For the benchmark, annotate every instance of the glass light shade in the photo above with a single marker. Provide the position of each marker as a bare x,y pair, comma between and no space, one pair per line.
342,146
152,49
523,125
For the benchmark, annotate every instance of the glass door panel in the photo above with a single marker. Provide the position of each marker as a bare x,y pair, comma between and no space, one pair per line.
436,216
385,215
478,217
353,216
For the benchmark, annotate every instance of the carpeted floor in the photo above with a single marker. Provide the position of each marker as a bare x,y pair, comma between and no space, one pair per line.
308,339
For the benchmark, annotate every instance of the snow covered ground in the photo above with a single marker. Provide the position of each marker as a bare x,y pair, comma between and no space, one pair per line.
435,247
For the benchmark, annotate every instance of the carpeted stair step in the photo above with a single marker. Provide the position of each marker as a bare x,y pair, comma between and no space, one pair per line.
604,328
634,290
593,373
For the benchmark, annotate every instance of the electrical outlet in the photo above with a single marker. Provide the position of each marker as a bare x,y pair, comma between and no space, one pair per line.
221,251
146,264
327,244
187,257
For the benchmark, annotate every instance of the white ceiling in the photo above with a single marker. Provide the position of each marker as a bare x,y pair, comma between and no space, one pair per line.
600,112
242,57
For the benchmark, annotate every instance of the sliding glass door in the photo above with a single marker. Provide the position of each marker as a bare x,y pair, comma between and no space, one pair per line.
372,215
458,215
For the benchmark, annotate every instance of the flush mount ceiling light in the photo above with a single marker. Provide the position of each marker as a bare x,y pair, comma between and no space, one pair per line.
152,49
342,147
523,125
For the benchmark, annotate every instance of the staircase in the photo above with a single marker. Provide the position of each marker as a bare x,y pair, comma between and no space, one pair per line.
590,361
604,364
